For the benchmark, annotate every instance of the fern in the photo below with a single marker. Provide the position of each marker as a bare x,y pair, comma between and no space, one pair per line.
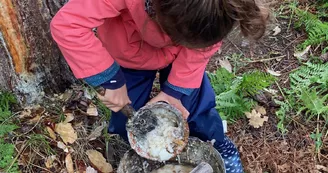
251,83
315,28
308,92
282,115
232,106
7,150
311,76
313,103
6,128
221,80
232,92
6,157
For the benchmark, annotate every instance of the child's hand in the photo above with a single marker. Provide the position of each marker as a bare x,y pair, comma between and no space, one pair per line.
116,99
171,100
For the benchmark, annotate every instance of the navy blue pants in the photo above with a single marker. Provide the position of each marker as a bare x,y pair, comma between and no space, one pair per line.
204,121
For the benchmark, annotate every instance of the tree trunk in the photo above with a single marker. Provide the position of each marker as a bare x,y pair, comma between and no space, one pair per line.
31,63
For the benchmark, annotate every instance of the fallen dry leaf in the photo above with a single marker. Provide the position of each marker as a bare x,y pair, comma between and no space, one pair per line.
302,53
97,132
260,109
92,110
69,117
226,64
69,163
66,132
274,73
276,30
51,133
99,162
271,91
50,160
62,146
35,119
255,118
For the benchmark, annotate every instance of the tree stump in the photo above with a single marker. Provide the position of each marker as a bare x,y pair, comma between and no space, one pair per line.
31,62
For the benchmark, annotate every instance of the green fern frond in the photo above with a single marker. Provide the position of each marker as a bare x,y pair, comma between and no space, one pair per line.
6,99
232,91
282,115
7,150
6,128
6,157
315,28
313,103
251,83
308,75
232,106
221,80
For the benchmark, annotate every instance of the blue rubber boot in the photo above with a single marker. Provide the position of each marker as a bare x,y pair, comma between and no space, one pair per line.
230,156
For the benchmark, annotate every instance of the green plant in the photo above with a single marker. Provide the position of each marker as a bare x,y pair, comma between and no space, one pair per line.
308,94
233,93
104,110
7,150
315,27
39,141
318,142
309,85
282,115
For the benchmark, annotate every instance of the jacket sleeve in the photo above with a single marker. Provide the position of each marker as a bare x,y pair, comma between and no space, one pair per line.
71,28
188,70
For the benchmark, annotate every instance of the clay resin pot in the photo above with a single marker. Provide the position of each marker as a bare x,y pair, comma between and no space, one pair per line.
193,154
157,131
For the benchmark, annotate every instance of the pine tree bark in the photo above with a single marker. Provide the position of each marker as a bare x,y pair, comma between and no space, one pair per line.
31,63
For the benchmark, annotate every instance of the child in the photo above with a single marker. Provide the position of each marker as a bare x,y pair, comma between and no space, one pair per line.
138,38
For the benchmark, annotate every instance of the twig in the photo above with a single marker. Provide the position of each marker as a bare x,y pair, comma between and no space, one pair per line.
296,39
322,155
235,46
9,118
33,126
39,167
263,60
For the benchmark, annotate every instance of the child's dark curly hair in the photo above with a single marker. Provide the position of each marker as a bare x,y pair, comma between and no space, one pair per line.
202,23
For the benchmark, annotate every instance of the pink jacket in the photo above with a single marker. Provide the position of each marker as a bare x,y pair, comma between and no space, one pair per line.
126,35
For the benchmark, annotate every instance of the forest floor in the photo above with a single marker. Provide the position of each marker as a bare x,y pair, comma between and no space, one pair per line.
264,149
